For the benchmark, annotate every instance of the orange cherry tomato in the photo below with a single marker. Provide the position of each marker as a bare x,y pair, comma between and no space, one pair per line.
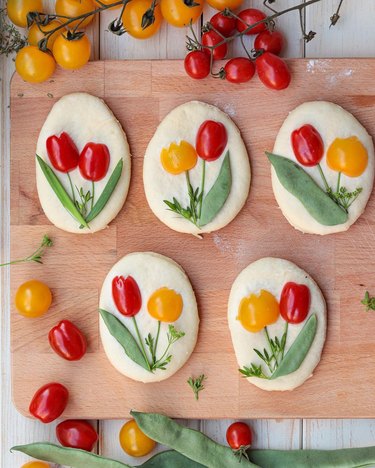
347,155
257,311
36,464
165,305
72,54
133,441
33,65
179,157
222,4
33,298
73,8
18,9
133,15
36,33
180,13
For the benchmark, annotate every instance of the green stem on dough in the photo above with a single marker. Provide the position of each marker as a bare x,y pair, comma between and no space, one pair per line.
327,187
202,187
141,342
71,187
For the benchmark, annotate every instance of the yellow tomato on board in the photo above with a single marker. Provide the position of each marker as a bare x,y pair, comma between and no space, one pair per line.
33,65
33,298
257,311
222,4
165,305
132,19
71,54
36,464
133,441
347,155
36,33
73,8
178,158
180,13
18,9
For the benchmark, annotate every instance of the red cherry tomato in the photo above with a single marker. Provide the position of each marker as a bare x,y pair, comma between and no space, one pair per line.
307,145
197,64
273,71
77,434
62,152
239,437
94,161
294,302
239,70
249,17
127,296
67,341
224,24
212,38
49,402
269,41
211,140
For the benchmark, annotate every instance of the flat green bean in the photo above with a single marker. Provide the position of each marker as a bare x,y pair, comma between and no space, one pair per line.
170,459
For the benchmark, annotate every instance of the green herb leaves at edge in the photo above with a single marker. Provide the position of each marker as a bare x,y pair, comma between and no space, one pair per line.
218,194
299,349
60,191
299,183
368,301
121,333
197,384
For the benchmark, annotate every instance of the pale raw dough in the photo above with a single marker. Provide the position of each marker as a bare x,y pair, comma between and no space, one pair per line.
151,271
182,123
85,118
271,274
331,121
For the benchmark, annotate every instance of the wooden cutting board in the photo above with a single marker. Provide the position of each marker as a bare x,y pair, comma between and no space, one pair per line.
141,93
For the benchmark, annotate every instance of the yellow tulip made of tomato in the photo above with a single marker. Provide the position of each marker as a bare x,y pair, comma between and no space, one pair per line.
178,158
256,311
347,155
165,305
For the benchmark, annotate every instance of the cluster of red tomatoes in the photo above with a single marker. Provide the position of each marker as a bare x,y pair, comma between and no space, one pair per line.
222,28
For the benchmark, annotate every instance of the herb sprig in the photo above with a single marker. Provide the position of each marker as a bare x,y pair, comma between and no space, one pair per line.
343,197
35,256
173,335
368,301
11,40
197,384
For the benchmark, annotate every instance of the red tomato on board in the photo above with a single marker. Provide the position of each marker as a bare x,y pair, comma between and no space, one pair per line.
269,41
67,341
249,17
239,70
294,302
212,38
211,140
307,145
76,433
273,71
127,296
49,402
62,152
197,64
94,161
224,24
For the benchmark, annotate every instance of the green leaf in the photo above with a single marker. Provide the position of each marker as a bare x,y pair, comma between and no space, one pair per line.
218,194
60,191
299,349
119,331
107,192
316,201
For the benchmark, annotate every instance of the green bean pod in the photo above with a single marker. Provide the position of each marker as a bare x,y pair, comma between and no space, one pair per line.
170,459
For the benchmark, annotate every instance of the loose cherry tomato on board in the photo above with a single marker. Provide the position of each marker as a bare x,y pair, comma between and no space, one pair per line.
212,38
18,9
67,341
94,161
273,71
249,17
76,433
211,140
165,305
36,33
180,13
239,70
36,464
33,298
197,64
62,152
73,8
127,296
133,441
49,402
133,15
239,438
256,311
294,302
224,24
223,4
71,54
33,65
269,41
178,158
308,146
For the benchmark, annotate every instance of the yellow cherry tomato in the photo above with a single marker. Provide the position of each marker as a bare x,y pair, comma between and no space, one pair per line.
165,305
132,19
222,4
33,65
347,155
71,54
178,158
36,33
33,298
180,12
73,8
36,464
133,441
18,9
257,311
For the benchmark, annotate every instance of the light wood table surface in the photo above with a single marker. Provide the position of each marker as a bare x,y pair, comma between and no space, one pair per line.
353,36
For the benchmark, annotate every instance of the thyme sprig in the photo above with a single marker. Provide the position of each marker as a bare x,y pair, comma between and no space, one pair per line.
197,384
368,301
35,256
11,40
